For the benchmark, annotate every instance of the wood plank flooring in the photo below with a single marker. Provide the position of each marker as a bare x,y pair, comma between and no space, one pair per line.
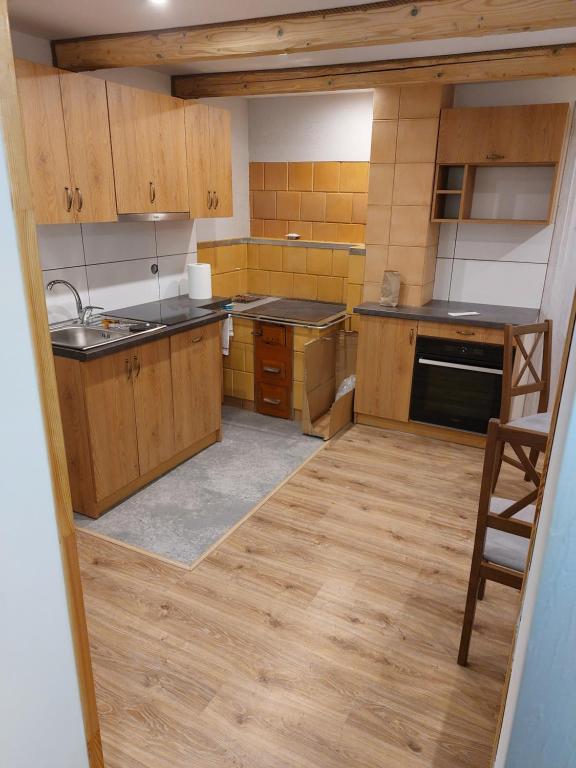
322,633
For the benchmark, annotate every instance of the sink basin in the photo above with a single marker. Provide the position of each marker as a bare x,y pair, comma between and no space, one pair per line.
85,337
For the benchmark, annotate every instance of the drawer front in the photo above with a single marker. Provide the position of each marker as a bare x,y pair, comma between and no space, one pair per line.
271,335
461,332
274,400
275,369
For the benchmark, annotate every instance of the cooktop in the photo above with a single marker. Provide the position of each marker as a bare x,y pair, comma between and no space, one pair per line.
179,309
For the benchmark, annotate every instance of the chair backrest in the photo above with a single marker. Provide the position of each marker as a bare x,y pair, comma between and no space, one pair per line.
527,364
521,441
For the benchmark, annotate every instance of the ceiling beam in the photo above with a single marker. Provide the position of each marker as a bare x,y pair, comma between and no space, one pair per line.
515,64
379,23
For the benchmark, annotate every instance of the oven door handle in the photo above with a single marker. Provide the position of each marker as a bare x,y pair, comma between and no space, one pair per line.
459,366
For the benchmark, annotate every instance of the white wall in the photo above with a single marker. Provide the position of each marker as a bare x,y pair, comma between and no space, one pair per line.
237,225
40,715
313,127
497,263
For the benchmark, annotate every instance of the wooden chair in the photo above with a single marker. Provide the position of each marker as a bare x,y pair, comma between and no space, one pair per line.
522,375
504,526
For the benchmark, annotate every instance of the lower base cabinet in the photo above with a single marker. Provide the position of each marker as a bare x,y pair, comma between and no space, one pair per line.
130,416
273,369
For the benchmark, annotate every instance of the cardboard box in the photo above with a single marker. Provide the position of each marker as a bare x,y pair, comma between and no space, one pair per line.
327,362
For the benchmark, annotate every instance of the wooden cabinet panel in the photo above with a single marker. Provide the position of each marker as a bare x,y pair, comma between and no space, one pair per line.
43,118
196,383
170,176
461,332
88,140
109,403
152,379
522,134
385,365
208,144
273,399
134,133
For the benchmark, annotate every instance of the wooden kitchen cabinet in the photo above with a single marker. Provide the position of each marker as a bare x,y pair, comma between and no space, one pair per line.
149,150
67,134
196,383
385,362
208,142
273,362
130,416
532,133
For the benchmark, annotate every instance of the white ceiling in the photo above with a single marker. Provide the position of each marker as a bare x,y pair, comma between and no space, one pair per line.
55,19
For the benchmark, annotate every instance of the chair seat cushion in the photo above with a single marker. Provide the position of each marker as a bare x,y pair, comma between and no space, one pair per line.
538,422
507,549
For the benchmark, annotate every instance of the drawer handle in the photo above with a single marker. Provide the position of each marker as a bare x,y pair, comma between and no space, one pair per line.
69,199
272,400
152,192
257,333
466,333
495,156
271,369
197,339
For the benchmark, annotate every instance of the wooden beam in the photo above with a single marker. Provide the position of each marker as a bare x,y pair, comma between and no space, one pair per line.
515,64
379,23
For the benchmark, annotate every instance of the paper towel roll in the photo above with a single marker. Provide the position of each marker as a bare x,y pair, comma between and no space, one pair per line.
199,281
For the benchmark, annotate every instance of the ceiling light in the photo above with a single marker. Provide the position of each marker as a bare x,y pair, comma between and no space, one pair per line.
158,2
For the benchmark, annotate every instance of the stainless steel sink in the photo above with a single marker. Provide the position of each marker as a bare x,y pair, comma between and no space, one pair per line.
79,336
84,337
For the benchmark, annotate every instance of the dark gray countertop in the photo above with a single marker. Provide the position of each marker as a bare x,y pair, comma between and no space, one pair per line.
175,309
490,315
295,311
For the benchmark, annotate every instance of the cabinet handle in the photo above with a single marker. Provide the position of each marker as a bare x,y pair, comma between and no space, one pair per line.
466,333
271,369
495,156
257,333
80,199
138,366
217,200
210,201
69,199
412,336
271,400
128,368
152,192
197,339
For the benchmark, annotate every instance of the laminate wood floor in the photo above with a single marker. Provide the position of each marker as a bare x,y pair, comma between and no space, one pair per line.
322,633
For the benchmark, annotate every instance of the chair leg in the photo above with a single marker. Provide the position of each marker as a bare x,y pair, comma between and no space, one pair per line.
534,454
469,613
481,588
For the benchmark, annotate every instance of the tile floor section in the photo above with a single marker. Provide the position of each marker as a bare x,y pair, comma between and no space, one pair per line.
185,512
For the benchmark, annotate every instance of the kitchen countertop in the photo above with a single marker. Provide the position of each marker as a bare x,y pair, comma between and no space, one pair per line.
294,311
490,315
179,314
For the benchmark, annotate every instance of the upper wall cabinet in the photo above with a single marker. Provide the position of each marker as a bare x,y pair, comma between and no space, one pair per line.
208,142
149,150
532,133
68,145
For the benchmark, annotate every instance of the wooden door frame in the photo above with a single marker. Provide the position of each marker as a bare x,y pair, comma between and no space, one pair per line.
25,224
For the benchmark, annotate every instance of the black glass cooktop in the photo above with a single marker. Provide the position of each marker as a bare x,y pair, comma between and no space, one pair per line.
179,309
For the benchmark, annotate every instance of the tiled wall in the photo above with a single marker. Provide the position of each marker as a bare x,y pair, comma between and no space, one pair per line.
399,234
325,201
229,267
115,265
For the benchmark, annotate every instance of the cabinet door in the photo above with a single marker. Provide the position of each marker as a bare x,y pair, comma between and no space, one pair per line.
196,383
89,150
221,161
109,403
134,134
531,133
153,403
43,118
170,177
198,150
385,364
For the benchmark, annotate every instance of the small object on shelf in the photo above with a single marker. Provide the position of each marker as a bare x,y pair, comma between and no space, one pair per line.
390,291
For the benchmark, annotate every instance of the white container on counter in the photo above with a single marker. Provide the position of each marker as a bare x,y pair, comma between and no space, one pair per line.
199,281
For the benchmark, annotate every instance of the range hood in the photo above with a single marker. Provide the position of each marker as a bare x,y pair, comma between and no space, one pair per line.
173,216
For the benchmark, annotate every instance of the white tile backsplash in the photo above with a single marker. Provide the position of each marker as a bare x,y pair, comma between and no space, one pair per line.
122,283
173,274
442,279
175,237
498,282
60,301
503,242
60,246
119,241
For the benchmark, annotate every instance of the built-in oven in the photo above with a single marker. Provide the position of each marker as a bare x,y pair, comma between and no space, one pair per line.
456,384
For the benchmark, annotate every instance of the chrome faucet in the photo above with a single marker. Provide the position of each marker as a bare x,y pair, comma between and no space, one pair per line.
83,312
